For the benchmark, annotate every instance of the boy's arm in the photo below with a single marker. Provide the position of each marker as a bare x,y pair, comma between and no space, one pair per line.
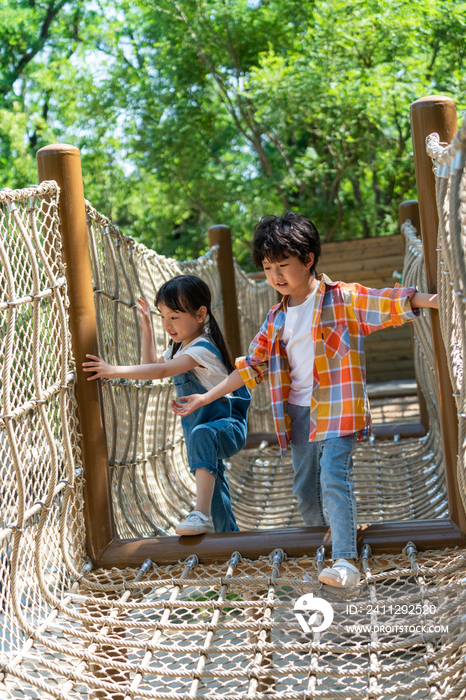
250,370
380,308
255,366
421,300
188,404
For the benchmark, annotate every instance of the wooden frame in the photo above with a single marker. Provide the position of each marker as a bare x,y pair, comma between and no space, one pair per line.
61,162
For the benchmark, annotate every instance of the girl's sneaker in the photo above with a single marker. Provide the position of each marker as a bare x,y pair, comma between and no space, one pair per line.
342,574
195,524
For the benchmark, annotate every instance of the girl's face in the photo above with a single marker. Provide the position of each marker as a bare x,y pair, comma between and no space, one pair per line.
181,326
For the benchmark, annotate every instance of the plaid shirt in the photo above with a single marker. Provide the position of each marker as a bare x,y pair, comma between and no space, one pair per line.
343,315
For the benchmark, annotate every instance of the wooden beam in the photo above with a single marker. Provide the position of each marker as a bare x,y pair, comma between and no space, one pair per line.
62,163
428,115
383,538
221,235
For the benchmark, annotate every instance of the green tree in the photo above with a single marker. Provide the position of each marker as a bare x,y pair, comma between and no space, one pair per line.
238,108
38,40
194,112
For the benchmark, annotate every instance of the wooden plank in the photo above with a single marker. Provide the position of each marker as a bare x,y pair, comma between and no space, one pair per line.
393,389
371,268
380,283
383,538
404,430
392,332
357,257
392,365
388,376
364,243
386,345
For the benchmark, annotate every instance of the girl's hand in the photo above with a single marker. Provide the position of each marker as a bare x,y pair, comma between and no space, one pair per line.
187,404
99,366
144,309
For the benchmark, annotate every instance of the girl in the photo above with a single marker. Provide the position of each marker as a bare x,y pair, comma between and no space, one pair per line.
198,360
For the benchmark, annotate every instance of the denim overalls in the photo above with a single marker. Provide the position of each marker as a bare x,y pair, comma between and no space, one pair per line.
213,433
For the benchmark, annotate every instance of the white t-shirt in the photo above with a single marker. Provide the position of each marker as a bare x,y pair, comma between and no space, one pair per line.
300,349
211,370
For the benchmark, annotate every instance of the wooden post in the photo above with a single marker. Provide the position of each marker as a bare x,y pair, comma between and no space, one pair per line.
428,115
62,163
222,235
410,210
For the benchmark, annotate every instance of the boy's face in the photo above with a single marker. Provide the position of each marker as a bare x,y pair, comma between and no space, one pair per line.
289,275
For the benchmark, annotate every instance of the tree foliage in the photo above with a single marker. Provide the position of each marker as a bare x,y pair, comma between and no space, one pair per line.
194,112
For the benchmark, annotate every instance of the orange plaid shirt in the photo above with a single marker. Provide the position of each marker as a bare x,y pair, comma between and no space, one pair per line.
343,315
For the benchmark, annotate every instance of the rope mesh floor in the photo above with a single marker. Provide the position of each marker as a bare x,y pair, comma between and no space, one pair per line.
193,630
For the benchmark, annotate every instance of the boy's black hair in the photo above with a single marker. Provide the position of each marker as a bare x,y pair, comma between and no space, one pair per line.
278,237
187,293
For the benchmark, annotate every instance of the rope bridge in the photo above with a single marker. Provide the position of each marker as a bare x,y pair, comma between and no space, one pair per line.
225,626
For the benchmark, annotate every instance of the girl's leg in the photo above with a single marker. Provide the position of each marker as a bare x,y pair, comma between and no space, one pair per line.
205,484
221,510
209,444
338,494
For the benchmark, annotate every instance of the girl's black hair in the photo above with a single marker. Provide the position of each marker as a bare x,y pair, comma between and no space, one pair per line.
187,293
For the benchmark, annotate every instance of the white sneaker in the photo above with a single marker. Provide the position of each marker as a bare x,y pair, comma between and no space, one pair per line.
195,524
342,574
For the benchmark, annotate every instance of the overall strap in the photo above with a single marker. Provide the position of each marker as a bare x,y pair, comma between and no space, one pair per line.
213,349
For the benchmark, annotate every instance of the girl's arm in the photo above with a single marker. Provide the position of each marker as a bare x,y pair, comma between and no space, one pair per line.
149,355
153,370
421,300
188,404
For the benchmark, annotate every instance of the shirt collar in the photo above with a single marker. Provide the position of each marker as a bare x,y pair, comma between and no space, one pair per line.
280,315
323,280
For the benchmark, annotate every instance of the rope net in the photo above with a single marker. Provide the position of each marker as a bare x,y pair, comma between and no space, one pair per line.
450,184
193,630
151,483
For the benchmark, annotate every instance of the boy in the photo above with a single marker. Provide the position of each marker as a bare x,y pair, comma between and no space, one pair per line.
311,347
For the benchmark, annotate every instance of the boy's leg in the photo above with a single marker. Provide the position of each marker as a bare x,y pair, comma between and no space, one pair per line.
338,494
306,466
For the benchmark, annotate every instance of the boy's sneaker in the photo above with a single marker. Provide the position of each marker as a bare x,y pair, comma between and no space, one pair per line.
342,574
195,524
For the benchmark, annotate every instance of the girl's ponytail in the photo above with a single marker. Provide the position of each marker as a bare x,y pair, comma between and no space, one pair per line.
218,339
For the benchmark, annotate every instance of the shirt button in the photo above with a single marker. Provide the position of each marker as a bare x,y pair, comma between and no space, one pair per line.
224,400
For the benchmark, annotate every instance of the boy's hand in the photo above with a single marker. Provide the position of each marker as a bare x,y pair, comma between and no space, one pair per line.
99,366
144,309
187,404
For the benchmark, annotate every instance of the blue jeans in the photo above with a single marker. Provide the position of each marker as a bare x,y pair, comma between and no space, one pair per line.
208,444
322,482
213,433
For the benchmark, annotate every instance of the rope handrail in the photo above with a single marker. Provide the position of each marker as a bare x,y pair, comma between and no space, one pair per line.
448,165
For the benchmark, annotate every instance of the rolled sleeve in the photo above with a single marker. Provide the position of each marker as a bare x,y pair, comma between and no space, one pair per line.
401,310
251,374
381,308
254,367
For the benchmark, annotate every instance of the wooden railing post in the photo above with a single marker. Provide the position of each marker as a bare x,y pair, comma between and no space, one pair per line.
410,210
222,235
62,163
428,115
